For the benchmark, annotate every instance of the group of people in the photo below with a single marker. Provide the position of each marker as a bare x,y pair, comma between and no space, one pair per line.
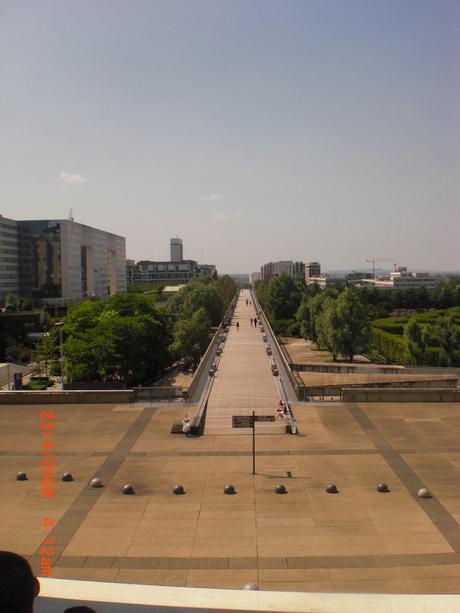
19,587
254,321
281,410
248,303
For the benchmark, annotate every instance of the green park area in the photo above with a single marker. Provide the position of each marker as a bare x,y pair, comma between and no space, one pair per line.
346,321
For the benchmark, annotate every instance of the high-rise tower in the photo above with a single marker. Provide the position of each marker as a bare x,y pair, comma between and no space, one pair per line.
176,250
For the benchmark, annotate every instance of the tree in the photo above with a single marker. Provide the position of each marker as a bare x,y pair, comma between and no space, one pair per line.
415,342
124,338
284,297
47,350
191,336
226,288
445,334
315,306
353,325
328,327
303,318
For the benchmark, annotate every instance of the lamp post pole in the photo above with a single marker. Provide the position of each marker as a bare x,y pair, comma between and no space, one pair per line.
60,324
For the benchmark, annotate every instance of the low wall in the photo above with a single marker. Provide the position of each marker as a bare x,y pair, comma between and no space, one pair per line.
400,395
350,368
68,397
307,391
158,393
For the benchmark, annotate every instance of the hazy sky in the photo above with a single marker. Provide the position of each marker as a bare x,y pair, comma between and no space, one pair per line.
254,130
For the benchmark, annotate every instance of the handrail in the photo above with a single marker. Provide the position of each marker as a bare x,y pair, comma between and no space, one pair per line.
292,419
210,357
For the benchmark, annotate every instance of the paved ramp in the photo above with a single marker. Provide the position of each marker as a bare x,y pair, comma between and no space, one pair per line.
244,382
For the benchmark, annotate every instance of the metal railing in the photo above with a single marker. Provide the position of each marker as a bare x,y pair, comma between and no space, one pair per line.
286,368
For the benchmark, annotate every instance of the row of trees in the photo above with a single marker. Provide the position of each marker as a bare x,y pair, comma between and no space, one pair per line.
337,322
194,311
131,338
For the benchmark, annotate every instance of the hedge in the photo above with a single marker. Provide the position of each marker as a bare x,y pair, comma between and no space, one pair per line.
390,346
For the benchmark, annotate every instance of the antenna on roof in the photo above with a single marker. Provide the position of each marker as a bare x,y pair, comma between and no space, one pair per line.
70,214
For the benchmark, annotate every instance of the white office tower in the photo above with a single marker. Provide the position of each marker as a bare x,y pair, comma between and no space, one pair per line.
176,250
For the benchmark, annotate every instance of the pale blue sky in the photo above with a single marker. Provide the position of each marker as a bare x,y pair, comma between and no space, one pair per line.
255,130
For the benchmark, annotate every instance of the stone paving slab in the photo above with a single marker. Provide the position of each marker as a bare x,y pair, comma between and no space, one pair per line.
244,381
365,541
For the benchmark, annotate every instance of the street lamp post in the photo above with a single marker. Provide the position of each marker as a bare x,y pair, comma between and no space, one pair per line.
59,325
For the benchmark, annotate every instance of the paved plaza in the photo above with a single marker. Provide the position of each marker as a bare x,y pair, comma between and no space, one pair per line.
358,540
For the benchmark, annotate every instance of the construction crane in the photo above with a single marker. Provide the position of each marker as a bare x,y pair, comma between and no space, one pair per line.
373,261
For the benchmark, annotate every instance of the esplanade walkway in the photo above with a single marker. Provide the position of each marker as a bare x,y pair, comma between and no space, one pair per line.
244,381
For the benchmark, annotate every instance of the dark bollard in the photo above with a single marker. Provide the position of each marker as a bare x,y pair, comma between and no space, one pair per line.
280,489
383,488
21,476
96,482
250,586
229,489
332,489
178,490
128,489
67,477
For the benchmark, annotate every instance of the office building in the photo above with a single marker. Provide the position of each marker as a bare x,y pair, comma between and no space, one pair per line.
61,261
402,279
176,248
275,269
207,270
313,275
312,269
9,279
147,271
176,270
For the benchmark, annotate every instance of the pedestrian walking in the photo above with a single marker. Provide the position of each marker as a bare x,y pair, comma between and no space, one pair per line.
279,411
237,325
255,321
251,322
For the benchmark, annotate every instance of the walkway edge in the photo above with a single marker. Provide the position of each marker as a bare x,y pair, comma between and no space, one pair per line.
241,600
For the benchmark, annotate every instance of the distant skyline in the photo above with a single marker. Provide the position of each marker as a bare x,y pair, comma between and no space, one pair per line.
254,130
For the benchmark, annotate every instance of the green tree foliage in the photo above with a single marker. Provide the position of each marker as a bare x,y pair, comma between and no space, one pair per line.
415,343
315,307
226,288
389,348
124,338
353,324
284,297
327,326
47,351
303,318
199,293
191,336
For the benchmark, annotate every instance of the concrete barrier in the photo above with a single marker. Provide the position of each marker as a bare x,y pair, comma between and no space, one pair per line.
68,397
371,369
400,395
